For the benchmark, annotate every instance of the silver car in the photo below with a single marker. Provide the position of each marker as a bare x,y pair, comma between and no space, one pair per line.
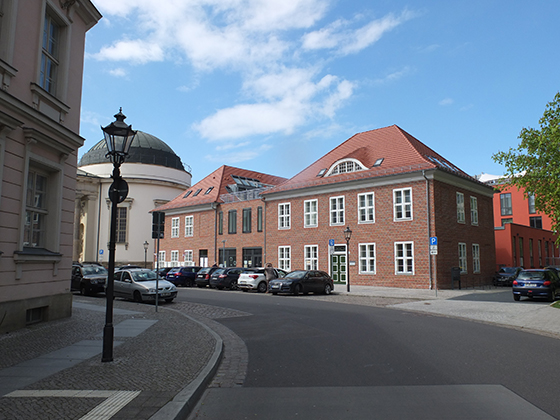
139,284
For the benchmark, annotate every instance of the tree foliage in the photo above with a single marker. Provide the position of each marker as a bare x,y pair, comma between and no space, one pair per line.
535,164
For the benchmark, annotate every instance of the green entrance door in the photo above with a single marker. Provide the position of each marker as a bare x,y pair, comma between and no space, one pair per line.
338,267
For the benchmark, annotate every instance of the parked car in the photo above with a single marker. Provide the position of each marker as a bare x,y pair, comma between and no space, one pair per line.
505,276
124,267
139,284
88,278
254,279
182,276
162,272
532,283
303,281
225,277
203,276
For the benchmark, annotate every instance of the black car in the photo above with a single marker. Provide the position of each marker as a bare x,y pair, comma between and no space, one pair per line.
543,283
225,277
162,272
302,281
88,278
182,276
203,276
505,276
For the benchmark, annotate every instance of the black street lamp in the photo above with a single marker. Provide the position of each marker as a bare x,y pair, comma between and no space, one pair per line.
118,138
146,245
347,236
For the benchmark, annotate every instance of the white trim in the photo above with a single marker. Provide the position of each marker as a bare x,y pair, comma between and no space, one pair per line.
285,220
366,207
367,258
403,204
308,261
311,213
285,263
340,213
405,258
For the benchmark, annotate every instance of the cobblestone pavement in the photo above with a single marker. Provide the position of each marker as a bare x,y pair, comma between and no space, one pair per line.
150,362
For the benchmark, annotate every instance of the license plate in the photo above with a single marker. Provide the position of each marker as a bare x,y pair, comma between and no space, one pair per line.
275,286
531,285
165,294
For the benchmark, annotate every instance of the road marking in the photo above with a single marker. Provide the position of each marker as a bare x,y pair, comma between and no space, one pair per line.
115,400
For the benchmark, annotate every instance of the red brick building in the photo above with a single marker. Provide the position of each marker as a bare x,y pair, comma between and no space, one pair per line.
523,235
391,190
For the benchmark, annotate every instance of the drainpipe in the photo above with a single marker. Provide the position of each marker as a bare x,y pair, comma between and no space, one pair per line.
264,231
215,208
429,228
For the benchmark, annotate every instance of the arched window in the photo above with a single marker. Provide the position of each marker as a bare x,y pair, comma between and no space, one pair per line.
345,166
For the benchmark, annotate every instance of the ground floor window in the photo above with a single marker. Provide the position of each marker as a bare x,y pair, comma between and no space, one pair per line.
367,258
476,258
188,257
175,258
463,257
404,257
311,253
284,258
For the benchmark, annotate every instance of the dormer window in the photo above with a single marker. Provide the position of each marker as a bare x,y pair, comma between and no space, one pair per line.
345,166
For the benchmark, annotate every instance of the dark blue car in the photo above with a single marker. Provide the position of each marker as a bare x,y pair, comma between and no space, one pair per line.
536,283
182,276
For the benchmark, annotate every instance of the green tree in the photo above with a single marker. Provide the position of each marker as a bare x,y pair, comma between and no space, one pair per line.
535,164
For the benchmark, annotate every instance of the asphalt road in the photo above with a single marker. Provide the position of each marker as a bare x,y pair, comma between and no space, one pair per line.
321,359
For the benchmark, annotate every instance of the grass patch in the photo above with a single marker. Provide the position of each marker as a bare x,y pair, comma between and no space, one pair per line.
556,304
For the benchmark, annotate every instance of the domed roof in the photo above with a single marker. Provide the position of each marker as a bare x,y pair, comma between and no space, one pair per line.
145,148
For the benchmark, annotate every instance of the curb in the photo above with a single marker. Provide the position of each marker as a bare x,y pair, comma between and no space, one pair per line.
184,402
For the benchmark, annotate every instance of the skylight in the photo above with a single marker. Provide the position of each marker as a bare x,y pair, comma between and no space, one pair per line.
197,192
187,194
378,162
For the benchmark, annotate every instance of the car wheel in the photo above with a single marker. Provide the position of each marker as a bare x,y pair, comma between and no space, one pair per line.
261,288
82,290
233,285
327,290
137,296
297,289
552,296
516,297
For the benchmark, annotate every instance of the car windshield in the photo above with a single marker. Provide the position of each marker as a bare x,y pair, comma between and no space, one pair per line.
295,275
508,270
144,275
88,271
532,275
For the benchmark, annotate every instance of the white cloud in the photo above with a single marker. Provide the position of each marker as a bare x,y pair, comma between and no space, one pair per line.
446,102
349,41
118,72
262,42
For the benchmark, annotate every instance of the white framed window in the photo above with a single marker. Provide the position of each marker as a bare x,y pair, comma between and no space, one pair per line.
366,208
404,257
463,257
122,224
476,258
161,257
310,213
474,211
284,258
174,227
311,254
188,256
189,225
402,204
460,207
337,211
367,258
284,216
345,166
41,205
175,258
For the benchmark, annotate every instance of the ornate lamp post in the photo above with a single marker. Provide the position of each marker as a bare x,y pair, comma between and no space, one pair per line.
118,137
146,245
347,236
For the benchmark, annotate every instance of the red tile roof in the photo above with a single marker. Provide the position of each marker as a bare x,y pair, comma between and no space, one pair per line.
400,152
214,185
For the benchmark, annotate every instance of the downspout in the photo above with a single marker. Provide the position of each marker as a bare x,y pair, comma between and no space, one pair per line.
215,208
264,231
429,216
98,222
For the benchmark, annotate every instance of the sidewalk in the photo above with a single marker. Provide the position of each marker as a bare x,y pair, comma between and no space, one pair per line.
54,370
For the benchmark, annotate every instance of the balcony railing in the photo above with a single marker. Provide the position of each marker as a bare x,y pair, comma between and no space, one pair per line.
247,195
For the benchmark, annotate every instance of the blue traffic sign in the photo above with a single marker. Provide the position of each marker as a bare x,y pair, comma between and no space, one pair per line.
331,242
433,240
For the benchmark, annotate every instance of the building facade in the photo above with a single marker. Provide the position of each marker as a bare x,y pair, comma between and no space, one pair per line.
41,61
524,236
415,218
154,174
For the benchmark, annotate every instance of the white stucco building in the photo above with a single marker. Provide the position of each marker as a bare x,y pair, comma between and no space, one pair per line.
155,175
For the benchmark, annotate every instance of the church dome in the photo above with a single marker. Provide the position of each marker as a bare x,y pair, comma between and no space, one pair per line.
145,148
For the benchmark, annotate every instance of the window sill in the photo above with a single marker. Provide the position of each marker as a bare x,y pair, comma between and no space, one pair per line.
49,105
36,256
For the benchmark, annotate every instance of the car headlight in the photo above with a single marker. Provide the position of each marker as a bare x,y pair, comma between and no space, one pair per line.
151,290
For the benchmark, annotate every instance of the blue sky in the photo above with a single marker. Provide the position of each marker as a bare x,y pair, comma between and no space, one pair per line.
273,85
